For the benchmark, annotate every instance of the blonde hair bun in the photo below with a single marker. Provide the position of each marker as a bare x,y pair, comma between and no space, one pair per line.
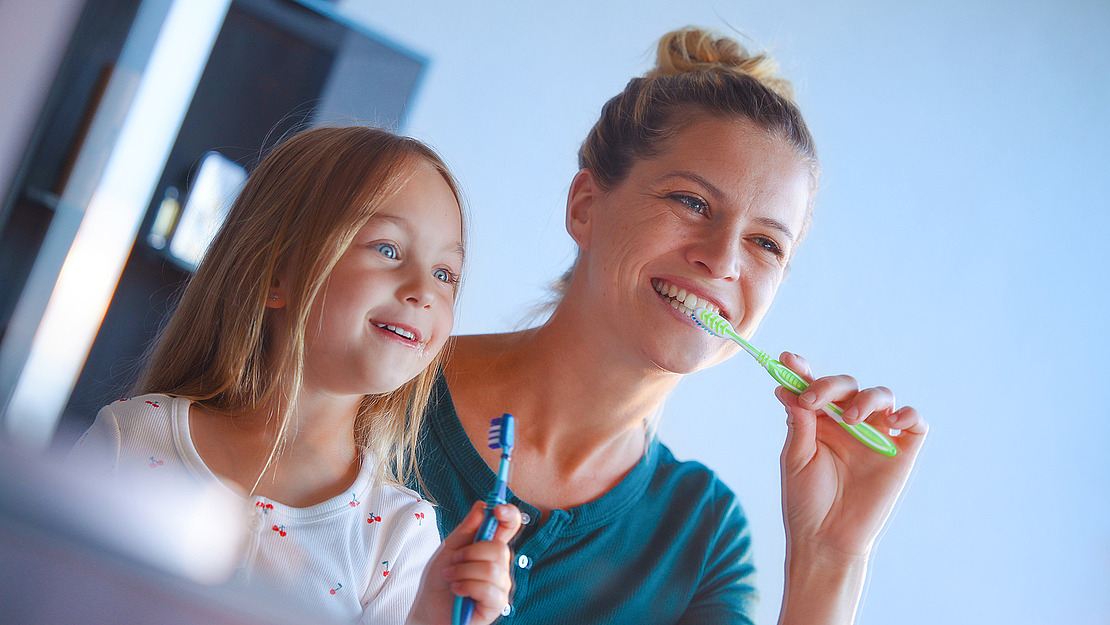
693,49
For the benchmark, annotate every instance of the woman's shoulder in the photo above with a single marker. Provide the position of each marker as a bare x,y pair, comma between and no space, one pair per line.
690,479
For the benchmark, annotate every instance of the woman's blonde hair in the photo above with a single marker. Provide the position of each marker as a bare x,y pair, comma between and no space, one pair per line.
297,214
696,72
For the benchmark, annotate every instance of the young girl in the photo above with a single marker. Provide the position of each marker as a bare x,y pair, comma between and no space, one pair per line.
296,369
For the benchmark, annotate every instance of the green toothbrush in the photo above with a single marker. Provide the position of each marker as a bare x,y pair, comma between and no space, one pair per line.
864,432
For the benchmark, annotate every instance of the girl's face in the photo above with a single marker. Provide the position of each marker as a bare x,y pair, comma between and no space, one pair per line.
715,217
387,307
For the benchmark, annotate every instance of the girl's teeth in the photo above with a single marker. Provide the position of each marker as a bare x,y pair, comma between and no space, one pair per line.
672,291
681,295
691,301
398,331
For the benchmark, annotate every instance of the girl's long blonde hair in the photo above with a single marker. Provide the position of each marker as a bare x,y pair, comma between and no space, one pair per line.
298,212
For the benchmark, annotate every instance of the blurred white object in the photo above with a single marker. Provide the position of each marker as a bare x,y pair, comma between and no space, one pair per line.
78,548
210,198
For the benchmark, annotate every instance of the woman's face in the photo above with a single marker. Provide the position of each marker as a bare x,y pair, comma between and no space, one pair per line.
715,217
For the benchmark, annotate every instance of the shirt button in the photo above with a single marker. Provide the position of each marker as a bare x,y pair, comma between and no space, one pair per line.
525,518
254,523
524,562
507,610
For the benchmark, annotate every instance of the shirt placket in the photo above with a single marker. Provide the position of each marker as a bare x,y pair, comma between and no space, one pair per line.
529,553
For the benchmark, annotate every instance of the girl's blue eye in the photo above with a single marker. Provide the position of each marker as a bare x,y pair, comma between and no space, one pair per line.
386,249
445,275
692,202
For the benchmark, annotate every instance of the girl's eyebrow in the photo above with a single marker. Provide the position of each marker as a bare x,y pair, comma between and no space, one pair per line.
409,226
719,196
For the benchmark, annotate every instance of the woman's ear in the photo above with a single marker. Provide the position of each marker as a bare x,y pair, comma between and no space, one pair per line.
580,203
276,297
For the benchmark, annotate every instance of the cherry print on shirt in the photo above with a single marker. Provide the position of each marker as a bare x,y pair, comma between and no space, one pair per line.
373,518
354,500
419,518
385,573
336,589
152,403
266,507
280,529
156,463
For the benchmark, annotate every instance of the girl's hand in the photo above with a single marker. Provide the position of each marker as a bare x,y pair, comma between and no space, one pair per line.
464,568
837,492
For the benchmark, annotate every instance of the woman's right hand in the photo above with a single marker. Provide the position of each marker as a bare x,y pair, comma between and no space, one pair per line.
464,568
837,492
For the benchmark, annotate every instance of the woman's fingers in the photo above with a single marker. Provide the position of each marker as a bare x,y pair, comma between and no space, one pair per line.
801,433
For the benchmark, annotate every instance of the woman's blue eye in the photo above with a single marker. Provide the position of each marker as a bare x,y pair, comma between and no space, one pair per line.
769,245
692,202
386,249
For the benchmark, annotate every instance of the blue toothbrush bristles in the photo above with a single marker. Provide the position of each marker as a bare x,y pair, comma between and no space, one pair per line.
502,430
702,324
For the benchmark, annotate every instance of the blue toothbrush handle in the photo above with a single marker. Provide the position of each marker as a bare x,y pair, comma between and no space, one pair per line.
863,431
464,606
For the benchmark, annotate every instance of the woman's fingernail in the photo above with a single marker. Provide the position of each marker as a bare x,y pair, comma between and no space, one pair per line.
808,397
892,419
850,414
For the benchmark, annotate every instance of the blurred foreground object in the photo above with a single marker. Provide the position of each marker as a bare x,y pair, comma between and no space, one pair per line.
78,549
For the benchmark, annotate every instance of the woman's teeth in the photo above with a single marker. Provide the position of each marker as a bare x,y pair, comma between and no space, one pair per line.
680,299
398,331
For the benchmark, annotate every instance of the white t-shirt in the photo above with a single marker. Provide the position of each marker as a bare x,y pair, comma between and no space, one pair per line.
357,556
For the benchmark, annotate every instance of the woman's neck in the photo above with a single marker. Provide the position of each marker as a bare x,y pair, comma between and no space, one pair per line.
582,404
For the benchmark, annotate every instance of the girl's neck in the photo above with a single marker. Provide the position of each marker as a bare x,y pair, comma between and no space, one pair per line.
318,459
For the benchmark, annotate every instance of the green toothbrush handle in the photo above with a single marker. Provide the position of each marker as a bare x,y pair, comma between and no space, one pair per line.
863,431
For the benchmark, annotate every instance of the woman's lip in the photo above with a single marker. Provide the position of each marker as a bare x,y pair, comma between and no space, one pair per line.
690,289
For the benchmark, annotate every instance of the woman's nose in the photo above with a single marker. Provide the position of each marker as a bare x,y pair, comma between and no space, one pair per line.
718,252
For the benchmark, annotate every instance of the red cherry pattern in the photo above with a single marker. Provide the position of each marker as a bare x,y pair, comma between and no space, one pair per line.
156,463
280,529
354,500
373,518
336,589
419,518
152,403
266,507
385,573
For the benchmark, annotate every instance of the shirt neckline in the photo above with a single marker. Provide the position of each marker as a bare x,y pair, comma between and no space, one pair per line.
183,441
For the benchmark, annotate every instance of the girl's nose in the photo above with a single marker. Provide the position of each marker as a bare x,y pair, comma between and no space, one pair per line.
419,289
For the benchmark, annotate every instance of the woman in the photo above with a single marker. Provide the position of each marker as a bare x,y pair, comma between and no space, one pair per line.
694,189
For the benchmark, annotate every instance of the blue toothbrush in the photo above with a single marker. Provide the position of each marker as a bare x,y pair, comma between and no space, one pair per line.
502,431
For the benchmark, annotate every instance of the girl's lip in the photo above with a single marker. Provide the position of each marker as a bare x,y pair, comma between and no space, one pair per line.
382,325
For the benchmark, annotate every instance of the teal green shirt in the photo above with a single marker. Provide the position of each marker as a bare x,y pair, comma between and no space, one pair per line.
668,544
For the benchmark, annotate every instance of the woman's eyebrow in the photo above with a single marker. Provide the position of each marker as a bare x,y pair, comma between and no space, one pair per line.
699,179
719,196
775,224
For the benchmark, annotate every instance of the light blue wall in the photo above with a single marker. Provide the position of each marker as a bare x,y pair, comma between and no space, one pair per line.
957,256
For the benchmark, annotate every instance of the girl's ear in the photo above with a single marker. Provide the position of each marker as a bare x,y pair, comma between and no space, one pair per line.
276,297
580,202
